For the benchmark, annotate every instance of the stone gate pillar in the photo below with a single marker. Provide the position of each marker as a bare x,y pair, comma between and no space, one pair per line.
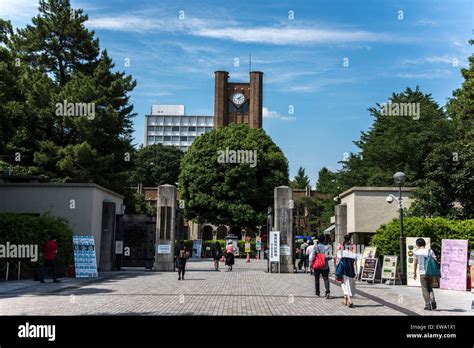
284,223
165,228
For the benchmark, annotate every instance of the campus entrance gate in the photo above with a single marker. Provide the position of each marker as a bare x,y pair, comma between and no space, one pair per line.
138,235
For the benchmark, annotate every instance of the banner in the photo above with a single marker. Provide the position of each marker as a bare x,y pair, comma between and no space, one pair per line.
389,267
247,247
453,264
197,245
85,263
410,257
274,246
258,244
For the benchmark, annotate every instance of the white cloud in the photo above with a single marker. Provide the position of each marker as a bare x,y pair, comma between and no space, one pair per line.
269,114
126,23
430,60
429,75
290,36
18,9
427,23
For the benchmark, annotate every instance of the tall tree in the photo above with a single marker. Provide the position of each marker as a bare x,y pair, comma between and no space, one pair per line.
156,165
301,180
219,189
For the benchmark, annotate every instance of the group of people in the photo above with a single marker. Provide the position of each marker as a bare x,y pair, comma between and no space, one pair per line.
182,254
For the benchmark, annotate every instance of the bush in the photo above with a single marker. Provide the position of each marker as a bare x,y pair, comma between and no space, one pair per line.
29,229
387,236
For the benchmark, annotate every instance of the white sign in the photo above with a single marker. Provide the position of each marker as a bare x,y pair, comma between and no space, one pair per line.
274,246
119,247
285,250
164,249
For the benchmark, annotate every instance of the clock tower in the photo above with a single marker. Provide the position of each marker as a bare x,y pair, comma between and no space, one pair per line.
238,102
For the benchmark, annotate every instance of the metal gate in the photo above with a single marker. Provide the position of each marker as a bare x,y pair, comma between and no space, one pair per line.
138,233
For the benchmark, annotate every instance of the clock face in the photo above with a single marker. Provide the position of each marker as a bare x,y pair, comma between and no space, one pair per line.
238,98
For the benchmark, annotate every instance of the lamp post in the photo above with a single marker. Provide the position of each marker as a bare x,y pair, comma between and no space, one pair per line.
269,228
399,179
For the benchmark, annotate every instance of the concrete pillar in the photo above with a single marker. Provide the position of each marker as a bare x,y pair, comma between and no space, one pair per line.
165,228
341,222
284,223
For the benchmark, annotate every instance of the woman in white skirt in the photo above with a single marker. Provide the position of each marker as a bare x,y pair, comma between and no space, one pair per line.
347,255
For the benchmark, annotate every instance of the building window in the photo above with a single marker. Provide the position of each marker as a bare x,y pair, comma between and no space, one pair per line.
150,138
192,129
167,129
208,129
175,138
159,138
183,138
191,138
159,129
175,128
200,130
167,138
151,129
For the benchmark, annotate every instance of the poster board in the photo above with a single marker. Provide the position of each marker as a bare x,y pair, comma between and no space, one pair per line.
369,252
410,259
197,245
85,262
258,244
274,246
369,269
453,264
389,267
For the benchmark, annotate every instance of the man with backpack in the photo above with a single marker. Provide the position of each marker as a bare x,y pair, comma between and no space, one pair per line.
429,270
318,261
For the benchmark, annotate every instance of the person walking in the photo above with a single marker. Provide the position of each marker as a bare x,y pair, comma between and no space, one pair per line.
321,265
426,280
304,257
181,255
50,251
309,251
216,255
229,258
346,260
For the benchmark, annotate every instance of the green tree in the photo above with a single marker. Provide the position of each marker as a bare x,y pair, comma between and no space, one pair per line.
218,191
301,180
60,62
156,165
448,189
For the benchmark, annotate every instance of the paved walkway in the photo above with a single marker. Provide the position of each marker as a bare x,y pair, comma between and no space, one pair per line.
247,290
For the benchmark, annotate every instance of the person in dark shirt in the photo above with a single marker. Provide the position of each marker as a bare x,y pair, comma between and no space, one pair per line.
50,250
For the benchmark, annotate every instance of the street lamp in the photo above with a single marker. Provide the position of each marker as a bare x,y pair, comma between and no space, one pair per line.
269,228
399,179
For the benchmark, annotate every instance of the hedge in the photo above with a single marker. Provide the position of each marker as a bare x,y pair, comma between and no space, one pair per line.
387,237
30,229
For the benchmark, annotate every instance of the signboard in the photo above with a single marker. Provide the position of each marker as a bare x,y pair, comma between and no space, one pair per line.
389,267
119,247
410,255
274,246
163,249
369,269
453,264
368,253
247,247
285,250
258,244
85,262
471,258
197,245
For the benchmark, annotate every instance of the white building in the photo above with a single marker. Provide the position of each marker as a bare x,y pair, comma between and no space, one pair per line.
169,125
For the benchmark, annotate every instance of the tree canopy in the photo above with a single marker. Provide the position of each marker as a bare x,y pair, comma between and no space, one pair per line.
225,192
301,180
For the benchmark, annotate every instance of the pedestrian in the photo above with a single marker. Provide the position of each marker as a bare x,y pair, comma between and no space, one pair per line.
426,280
321,266
304,258
229,258
181,254
50,251
216,255
309,250
346,260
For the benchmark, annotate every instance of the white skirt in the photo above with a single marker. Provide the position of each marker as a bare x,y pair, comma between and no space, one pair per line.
348,286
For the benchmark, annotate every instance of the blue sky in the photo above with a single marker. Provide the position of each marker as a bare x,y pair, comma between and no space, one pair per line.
174,47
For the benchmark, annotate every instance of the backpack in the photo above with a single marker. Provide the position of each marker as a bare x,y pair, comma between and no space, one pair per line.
182,254
431,266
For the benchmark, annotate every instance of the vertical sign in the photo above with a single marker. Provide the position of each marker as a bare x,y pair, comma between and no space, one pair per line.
197,245
453,264
274,246
389,267
258,244
410,255
85,262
